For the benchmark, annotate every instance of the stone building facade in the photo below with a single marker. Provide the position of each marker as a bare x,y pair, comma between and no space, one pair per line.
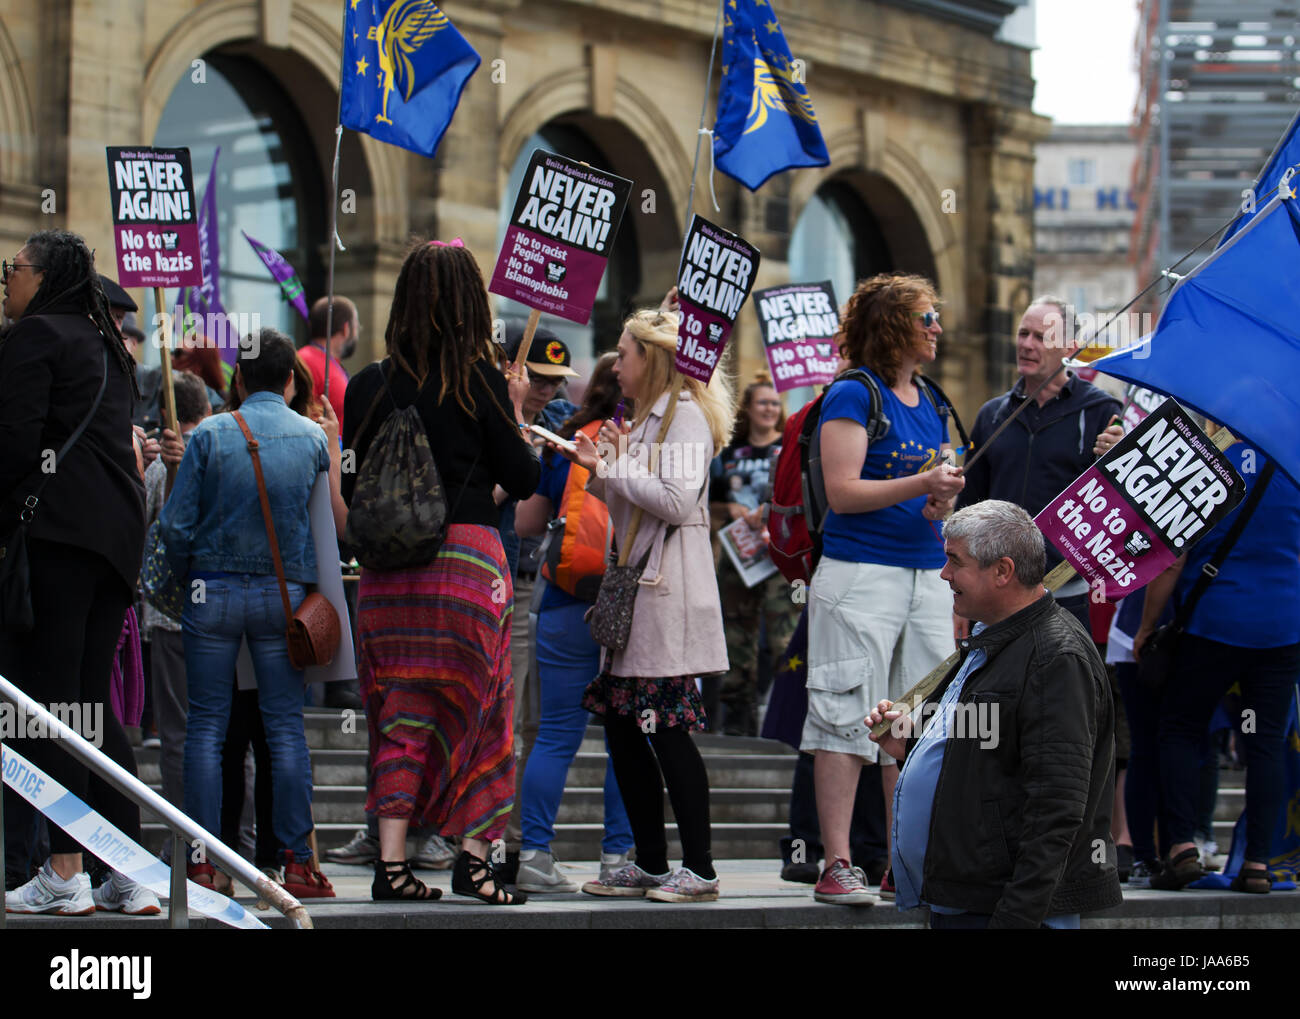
924,107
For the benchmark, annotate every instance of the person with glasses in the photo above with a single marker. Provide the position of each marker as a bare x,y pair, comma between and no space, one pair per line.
879,616
549,367
84,538
740,488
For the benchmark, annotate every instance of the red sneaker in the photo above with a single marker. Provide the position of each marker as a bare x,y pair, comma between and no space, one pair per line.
887,889
844,885
305,881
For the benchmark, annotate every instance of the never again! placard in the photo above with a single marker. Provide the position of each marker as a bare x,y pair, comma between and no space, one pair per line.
715,276
1153,495
799,322
560,236
155,223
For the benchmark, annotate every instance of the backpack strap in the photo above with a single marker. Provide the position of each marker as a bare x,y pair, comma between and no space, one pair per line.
944,406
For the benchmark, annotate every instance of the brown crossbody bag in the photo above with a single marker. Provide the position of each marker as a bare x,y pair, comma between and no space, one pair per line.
313,633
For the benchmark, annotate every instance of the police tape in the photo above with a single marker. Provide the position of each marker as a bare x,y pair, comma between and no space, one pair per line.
108,842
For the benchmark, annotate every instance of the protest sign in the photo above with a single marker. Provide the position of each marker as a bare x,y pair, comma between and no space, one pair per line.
1142,505
798,322
716,275
154,217
560,236
1140,403
747,551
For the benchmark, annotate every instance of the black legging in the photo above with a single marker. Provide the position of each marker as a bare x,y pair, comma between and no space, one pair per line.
78,602
638,758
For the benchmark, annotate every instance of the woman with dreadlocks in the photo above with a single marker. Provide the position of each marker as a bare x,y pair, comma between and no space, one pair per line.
434,656
62,357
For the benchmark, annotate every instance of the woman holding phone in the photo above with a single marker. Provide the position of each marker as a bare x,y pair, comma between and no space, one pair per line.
647,692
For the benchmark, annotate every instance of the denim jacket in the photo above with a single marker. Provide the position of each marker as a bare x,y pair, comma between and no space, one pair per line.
213,518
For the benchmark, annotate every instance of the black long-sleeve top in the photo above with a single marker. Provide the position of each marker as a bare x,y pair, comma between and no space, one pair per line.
472,452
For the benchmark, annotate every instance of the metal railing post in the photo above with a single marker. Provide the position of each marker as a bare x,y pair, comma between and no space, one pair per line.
181,825
178,906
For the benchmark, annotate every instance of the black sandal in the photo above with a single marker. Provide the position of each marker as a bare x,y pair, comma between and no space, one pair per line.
1179,871
1255,880
409,887
471,874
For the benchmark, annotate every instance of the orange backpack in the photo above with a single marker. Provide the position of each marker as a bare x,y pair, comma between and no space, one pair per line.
578,537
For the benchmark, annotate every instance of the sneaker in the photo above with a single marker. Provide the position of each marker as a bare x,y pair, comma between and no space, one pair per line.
802,873
49,893
844,885
151,743
887,889
685,886
435,853
363,849
303,880
1142,873
610,862
119,894
629,882
538,873
1211,859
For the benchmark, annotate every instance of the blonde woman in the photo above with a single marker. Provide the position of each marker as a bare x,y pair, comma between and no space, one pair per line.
647,692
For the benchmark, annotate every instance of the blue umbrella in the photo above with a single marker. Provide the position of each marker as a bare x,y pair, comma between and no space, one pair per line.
1228,341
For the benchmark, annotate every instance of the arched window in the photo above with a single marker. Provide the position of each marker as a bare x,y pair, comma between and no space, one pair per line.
268,182
621,281
837,238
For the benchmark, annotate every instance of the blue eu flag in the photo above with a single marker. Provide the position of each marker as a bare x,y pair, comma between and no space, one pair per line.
404,68
1285,156
766,122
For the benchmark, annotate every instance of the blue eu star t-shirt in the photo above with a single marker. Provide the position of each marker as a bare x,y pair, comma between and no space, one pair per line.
897,535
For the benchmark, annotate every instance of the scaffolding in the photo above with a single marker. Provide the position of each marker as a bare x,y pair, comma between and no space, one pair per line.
1228,72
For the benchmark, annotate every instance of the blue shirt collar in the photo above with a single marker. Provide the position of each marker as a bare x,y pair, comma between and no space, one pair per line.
264,396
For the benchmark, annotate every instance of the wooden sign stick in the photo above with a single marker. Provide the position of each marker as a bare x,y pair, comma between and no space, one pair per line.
169,394
1059,576
530,327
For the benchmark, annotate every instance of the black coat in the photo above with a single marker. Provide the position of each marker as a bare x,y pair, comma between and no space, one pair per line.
51,365
1021,830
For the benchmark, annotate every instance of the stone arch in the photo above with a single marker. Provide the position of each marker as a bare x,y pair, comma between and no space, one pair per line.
873,173
314,42
569,92
17,123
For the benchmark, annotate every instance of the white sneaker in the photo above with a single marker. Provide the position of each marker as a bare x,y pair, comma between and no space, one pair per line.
120,894
610,862
538,873
434,853
49,893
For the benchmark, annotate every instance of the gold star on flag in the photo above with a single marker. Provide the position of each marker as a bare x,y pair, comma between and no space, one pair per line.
793,664
760,3
361,66
772,27
726,69
727,22
731,4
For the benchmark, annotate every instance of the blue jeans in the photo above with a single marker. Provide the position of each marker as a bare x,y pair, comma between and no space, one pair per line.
236,606
567,660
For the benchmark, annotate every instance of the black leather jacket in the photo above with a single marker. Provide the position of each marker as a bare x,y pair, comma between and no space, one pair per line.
1021,830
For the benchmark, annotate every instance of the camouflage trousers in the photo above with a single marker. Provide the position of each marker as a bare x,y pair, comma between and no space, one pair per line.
743,608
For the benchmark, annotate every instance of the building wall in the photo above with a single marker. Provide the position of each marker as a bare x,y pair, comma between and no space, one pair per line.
929,120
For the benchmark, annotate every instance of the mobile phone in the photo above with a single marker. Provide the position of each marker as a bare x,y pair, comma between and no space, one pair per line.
550,436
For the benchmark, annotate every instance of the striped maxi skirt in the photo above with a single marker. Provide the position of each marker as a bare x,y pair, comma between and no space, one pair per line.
434,667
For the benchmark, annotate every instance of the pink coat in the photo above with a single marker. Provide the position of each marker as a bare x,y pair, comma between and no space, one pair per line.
677,620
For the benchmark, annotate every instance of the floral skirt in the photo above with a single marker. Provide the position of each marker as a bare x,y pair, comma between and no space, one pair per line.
666,700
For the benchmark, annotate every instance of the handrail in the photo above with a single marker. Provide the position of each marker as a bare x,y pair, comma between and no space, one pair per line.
180,824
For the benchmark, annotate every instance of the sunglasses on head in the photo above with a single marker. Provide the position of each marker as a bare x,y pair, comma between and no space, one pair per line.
928,318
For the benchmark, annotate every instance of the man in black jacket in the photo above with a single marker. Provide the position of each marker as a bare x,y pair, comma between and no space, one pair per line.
1053,440
1002,808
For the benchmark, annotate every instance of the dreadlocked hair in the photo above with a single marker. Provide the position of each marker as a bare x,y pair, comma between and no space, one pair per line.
69,277
440,310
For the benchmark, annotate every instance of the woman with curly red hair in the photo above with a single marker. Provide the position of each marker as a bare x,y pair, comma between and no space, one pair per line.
879,617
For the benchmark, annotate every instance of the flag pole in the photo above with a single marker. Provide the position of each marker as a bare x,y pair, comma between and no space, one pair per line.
334,210
704,110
